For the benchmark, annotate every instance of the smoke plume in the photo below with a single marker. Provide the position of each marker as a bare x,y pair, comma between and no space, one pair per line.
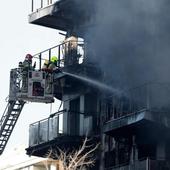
130,40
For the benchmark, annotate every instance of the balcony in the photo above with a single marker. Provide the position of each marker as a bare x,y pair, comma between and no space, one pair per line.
145,106
147,164
60,14
62,129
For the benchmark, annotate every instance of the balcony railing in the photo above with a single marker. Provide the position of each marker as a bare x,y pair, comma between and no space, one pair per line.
64,52
143,165
60,124
38,4
151,97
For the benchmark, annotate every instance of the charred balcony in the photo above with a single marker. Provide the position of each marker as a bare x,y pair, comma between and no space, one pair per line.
60,14
143,165
143,107
64,129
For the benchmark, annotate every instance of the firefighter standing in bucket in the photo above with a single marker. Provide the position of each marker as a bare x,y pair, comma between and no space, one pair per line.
25,66
48,76
27,63
49,67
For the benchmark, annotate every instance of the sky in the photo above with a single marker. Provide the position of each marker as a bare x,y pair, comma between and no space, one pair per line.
18,38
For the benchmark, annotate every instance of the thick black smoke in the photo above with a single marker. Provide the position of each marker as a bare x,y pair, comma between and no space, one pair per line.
130,40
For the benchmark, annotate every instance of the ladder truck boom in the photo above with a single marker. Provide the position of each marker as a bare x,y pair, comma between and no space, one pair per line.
8,121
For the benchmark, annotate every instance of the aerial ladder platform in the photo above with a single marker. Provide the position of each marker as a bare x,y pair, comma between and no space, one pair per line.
34,91
37,85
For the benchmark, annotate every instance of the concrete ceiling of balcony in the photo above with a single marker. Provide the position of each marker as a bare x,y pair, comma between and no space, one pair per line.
63,15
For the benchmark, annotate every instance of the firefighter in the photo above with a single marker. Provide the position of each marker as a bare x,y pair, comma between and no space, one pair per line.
26,65
50,67
53,65
47,77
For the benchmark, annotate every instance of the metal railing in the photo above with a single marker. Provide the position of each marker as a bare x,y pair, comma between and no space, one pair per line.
144,164
38,4
46,129
62,53
62,123
141,164
152,96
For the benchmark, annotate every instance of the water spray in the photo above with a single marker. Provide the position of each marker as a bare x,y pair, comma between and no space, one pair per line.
95,82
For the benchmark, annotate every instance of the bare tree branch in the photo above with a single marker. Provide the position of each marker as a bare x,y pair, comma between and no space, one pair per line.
77,159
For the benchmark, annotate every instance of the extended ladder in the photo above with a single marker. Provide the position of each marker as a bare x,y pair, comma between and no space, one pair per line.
8,121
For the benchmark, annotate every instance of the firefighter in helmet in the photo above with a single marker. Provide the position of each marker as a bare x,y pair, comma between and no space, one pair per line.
52,66
25,66
53,63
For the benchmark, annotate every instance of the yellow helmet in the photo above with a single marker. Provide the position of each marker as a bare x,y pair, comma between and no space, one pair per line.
54,59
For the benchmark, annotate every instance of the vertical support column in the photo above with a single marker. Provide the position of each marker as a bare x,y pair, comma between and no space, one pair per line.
38,142
49,55
32,6
102,152
66,120
82,128
82,103
40,61
134,151
41,3
58,124
117,152
59,58
85,51
48,129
